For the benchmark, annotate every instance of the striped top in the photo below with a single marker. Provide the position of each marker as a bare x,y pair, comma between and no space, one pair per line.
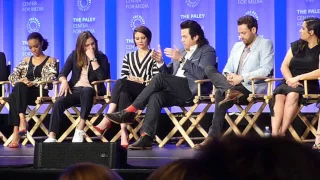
145,69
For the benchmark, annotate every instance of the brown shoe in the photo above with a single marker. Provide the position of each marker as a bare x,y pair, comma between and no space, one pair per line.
231,97
204,143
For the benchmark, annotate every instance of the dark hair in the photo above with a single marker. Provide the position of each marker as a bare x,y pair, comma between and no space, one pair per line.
144,30
312,23
250,21
81,55
38,36
260,158
195,29
182,169
89,171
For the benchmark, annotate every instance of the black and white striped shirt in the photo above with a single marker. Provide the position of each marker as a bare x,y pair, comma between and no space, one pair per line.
145,69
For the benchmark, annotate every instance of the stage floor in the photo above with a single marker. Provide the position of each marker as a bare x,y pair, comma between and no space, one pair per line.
151,159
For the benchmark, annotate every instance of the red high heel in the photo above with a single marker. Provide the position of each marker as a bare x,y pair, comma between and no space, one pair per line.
102,131
126,145
14,145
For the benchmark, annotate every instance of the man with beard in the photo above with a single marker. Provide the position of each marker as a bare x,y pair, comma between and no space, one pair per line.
252,57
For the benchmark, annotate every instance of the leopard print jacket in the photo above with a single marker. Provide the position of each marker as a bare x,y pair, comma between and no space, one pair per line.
49,72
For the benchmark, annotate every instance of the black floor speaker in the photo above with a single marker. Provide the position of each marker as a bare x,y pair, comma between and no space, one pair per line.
62,155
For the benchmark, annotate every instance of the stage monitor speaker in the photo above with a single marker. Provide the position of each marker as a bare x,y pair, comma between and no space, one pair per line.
62,155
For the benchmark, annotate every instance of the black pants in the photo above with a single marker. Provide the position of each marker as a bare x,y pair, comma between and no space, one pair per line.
19,99
80,95
164,90
222,85
124,92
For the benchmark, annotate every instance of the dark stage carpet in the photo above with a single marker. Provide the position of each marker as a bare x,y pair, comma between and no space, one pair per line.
18,163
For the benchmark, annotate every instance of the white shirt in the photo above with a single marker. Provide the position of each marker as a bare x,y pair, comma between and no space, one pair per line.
180,72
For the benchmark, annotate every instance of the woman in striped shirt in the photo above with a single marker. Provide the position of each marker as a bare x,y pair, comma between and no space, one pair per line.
137,68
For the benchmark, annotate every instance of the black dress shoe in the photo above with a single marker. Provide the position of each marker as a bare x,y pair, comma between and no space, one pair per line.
204,143
144,142
122,117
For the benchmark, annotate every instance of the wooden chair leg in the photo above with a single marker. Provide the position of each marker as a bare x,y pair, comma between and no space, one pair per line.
2,137
234,125
39,122
252,122
313,123
89,124
178,126
195,123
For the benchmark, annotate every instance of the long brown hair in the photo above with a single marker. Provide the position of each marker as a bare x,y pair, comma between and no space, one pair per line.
81,41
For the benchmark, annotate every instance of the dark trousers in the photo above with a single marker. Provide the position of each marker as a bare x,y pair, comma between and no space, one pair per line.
164,90
19,99
222,85
82,96
124,92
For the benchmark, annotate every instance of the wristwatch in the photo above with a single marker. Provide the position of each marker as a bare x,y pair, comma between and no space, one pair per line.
93,60
182,60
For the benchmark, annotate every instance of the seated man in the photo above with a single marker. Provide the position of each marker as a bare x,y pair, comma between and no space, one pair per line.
252,57
175,85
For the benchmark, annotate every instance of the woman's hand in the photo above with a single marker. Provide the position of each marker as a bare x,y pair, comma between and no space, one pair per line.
293,81
135,79
64,88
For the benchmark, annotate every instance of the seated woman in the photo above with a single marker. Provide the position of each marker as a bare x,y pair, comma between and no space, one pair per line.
138,67
87,64
301,61
24,78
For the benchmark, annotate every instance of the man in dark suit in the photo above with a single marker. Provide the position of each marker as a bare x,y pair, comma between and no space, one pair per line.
175,85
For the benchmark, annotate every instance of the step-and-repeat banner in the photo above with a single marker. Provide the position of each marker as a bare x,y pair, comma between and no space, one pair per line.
202,11
263,11
32,16
83,15
131,14
297,11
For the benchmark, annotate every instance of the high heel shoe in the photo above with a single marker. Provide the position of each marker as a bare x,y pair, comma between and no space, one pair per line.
126,145
316,146
14,144
102,131
23,132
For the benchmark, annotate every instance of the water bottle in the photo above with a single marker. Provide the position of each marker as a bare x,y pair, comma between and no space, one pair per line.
267,132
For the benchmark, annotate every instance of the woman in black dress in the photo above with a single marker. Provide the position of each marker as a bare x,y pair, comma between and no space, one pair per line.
301,61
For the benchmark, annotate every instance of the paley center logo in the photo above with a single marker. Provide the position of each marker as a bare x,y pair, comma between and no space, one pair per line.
136,21
33,25
192,3
84,6
309,1
253,13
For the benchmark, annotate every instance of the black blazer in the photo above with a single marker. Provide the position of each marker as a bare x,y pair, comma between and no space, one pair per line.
194,67
3,67
102,73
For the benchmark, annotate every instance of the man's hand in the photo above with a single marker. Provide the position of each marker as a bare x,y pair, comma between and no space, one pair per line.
173,53
157,55
234,79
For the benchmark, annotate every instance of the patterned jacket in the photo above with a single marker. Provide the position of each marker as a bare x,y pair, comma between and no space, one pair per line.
49,72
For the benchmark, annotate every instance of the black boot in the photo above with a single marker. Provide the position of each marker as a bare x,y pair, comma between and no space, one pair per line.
122,117
144,142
